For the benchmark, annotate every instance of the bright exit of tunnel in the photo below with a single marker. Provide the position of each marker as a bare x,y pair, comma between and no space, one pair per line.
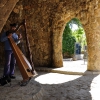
74,44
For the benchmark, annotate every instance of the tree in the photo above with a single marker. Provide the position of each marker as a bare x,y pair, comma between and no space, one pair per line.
68,44
68,40
79,34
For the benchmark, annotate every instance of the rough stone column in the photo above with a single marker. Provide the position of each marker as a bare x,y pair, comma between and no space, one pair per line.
57,50
93,50
93,40
57,43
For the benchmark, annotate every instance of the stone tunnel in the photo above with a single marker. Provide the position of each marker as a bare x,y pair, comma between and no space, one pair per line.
45,23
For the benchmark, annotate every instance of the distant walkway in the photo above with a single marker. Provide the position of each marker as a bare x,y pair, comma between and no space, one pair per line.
69,67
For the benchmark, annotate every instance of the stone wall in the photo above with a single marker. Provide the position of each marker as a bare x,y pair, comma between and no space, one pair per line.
6,7
46,20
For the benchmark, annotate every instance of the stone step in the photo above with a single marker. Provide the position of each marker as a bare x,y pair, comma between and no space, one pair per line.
66,71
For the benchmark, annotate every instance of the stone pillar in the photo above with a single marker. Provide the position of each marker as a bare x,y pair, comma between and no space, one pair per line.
57,51
93,50
57,44
93,44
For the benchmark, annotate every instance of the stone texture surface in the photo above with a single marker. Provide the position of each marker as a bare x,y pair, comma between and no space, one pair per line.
46,20
6,7
56,86
33,90
69,87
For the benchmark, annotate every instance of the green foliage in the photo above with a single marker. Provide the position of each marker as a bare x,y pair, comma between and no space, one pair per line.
68,44
79,34
67,30
68,40
75,21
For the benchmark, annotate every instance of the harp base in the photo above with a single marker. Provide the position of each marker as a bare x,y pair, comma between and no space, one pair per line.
24,82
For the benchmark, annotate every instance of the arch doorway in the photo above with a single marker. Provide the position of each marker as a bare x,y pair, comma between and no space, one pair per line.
74,46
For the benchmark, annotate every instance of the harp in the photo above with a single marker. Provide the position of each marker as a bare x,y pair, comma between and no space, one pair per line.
22,62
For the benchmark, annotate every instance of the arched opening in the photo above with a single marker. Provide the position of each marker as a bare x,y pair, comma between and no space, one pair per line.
74,44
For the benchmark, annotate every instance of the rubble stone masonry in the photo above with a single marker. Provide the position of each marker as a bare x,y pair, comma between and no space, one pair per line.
45,22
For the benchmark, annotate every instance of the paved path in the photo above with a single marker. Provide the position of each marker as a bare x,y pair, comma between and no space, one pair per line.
69,87
69,67
82,86
33,90
57,86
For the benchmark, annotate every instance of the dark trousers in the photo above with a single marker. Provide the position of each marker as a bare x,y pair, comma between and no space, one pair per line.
9,63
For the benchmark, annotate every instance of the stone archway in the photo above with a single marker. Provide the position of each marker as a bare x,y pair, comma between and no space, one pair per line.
45,25
91,26
58,28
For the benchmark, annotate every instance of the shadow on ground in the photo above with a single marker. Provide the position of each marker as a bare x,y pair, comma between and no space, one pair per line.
73,87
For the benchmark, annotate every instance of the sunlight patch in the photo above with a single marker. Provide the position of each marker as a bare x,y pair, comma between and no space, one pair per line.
55,78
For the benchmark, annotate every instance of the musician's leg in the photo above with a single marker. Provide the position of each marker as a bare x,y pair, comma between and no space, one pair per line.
7,62
12,64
